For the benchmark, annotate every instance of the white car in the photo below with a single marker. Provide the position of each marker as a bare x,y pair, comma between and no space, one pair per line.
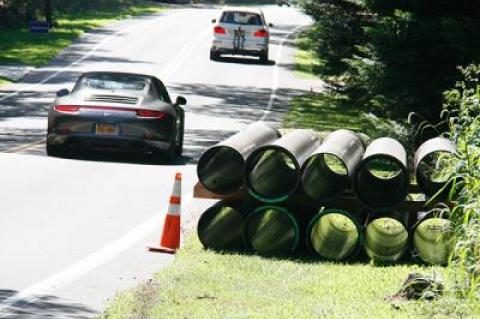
241,31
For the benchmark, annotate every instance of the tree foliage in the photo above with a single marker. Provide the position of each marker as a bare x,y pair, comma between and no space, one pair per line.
395,57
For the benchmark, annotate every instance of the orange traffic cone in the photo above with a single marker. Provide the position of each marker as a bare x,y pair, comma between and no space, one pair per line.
170,240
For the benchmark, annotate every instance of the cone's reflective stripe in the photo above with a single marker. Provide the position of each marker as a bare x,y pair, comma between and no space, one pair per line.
174,210
220,169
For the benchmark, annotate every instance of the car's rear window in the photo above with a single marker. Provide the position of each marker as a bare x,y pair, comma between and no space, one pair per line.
114,82
244,18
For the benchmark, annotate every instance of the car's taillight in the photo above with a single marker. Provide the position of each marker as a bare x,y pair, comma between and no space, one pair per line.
262,33
67,108
150,114
219,30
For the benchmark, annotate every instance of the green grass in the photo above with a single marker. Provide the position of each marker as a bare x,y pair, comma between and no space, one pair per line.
306,60
4,81
205,284
19,46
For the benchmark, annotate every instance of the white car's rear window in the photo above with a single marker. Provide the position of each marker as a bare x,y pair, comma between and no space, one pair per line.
244,18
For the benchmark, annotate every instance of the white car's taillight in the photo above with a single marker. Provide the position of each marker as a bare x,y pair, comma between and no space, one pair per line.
262,33
219,30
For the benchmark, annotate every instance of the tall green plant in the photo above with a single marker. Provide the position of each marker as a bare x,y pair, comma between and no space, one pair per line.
462,105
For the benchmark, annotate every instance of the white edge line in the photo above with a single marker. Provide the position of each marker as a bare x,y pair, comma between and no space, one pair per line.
273,94
91,262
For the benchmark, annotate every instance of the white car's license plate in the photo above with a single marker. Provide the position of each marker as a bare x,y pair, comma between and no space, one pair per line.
106,129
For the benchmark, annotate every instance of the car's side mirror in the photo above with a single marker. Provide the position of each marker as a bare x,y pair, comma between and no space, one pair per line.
270,25
63,92
214,20
181,100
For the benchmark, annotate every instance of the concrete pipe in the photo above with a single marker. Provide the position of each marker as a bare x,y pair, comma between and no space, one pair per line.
335,234
433,239
272,172
381,179
432,162
221,168
328,171
387,237
221,226
272,230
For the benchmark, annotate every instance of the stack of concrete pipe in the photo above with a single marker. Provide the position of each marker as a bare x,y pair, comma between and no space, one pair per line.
293,180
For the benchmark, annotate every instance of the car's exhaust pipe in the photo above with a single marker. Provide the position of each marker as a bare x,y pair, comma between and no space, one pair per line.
335,234
328,171
431,161
381,179
221,168
272,172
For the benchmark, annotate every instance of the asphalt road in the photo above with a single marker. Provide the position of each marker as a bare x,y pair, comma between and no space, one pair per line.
74,231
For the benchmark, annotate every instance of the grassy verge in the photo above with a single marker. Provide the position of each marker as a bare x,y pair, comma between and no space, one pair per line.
305,58
4,81
19,46
205,284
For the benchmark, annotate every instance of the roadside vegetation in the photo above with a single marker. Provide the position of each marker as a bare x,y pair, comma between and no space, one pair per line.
206,284
19,46
398,62
4,81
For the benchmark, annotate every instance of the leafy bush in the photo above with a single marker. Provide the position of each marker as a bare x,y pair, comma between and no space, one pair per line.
395,57
462,107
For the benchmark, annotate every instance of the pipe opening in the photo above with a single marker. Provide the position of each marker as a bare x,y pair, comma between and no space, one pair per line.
433,240
220,169
386,239
221,228
271,230
325,176
381,182
272,174
334,235
383,168
434,171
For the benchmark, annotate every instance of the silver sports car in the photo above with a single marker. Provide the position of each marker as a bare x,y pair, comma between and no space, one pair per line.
119,112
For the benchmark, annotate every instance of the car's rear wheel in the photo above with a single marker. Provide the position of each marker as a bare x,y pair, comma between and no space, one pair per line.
55,150
179,140
263,57
214,55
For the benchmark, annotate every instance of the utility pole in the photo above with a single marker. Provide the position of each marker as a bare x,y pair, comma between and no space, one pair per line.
48,12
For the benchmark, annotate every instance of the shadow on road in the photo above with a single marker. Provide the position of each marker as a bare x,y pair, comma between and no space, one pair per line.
44,307
242,60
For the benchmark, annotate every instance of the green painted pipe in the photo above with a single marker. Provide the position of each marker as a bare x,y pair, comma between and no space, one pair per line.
220,169
386,239
273,171
221,227
334,234
433,241
272,230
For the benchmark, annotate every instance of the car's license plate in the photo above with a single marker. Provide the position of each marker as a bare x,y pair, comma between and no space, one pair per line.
106,129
